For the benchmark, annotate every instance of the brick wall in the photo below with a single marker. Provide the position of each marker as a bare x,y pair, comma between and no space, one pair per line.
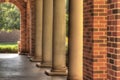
32,30
28,26
95,37
13,36
113,40
88,36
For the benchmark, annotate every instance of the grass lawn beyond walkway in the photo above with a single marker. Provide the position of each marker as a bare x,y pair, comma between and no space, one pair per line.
8,47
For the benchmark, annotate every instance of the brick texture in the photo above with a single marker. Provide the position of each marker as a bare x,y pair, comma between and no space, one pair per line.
113,40
32,30
12,36
95,40
28,26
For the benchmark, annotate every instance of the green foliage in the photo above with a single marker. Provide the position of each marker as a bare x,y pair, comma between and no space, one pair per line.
9,17
67,16
67,6
8,48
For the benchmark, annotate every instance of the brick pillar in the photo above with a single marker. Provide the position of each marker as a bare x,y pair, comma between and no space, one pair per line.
32,29
28,26
95,52
113,43
23,32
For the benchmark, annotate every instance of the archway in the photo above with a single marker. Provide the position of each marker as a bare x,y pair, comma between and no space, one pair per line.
21,4
9,28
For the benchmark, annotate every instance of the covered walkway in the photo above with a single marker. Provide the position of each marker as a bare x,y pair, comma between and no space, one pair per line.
93,41
17,67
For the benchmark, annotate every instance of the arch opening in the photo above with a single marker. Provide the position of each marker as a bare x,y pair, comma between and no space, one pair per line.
10,22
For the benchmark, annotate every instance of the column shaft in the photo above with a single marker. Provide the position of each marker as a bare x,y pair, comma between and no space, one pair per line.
59,34
47,34
76,40
38,36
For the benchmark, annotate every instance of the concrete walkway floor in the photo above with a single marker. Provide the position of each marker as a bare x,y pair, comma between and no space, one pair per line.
16,67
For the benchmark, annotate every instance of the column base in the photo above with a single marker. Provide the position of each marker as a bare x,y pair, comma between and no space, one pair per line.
43,65
56,73
35,59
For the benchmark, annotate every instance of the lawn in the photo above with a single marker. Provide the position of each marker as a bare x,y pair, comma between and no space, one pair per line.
8,47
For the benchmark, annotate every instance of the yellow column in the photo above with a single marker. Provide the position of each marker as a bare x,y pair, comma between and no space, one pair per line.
75,70
59,34
47,34
38,37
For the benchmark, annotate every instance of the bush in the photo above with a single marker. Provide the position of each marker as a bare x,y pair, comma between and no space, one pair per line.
8,48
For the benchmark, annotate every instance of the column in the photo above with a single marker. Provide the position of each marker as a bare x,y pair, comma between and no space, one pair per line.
59,34
75,40
47,34
38,36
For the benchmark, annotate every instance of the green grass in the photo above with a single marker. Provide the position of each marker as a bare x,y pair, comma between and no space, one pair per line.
8,47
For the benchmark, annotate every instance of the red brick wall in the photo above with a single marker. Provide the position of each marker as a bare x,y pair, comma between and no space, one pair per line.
113,35
28,25
32,30
95,39
23,29
12,36
88,36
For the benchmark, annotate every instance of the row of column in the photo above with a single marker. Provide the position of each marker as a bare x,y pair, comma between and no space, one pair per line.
51,34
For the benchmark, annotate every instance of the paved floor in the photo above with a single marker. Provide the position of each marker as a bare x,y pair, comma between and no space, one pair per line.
16,67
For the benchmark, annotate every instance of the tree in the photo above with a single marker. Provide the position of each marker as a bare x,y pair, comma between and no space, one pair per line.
9,17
